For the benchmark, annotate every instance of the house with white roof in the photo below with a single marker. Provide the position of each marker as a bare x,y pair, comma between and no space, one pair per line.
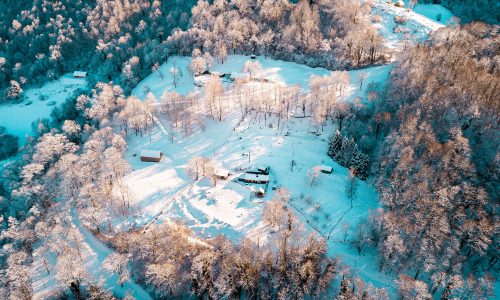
151,155
79,74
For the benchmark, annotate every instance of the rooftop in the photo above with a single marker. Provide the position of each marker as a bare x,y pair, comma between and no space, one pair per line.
151,153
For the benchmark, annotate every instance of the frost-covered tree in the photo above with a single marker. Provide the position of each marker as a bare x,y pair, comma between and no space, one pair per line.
117,264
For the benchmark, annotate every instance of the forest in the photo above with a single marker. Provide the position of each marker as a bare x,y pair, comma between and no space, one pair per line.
427,139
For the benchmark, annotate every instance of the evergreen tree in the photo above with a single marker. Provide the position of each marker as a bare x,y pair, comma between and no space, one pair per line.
335,144
359,162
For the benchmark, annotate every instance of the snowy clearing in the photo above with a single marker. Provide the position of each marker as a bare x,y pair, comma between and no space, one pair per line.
38,104
164,191
419,23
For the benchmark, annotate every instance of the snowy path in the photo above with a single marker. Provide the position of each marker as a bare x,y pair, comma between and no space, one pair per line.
95,252
92,253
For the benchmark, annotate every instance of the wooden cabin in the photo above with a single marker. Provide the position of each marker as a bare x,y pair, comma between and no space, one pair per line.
79,74
326,169
151,155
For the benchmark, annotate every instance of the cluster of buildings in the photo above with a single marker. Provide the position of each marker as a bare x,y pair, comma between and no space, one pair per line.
260,175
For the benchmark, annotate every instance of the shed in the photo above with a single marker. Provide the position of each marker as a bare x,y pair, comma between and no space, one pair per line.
79,74
255,178
221,173
325,169
151,155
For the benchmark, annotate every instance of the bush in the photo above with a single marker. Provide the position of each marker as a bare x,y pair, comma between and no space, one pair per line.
8,144
377,19
400,20
400,29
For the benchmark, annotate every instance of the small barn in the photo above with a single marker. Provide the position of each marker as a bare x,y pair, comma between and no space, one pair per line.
151,155
254,177
326,169
79,74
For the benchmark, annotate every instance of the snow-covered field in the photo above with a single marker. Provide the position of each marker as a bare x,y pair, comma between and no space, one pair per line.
164,191
38,104
282,72
434,12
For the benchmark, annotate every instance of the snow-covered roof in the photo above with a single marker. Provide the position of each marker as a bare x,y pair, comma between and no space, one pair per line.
203,77
151,153
262,168
325,168
217,73
239,75
200,80
79,74
255,177
221,172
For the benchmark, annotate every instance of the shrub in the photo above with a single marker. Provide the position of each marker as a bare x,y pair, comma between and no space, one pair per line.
401,20
377,19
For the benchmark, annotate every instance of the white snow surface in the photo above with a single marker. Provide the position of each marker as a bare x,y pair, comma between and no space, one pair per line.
17,118
419,25
433,11
165,192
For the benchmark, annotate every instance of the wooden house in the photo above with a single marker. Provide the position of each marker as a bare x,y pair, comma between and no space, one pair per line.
221,173
151,155
326,169
79,74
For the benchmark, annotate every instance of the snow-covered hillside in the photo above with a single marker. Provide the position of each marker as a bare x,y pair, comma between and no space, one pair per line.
164,191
